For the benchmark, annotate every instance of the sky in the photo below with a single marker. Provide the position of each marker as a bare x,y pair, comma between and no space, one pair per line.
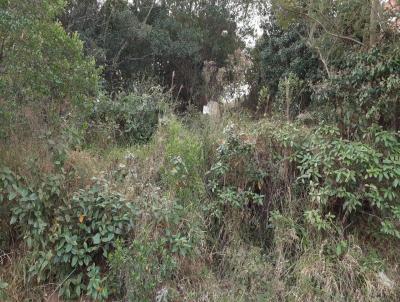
254,21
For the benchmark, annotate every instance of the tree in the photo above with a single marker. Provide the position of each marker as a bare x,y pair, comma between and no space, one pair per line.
43,69
283,52
169,39
361,82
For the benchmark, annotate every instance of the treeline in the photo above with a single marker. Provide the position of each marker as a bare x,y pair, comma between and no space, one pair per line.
324,59
169,40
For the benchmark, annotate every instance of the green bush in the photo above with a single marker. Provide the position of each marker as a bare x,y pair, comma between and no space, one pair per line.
67,236
235,174
347,177
44,71
141,268
131,118
168,234
364,92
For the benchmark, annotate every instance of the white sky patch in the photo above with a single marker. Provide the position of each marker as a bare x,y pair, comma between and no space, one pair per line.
253,20
235,92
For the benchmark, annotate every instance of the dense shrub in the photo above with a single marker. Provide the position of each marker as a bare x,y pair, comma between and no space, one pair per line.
130,118
364,92
235,175
67,237
158,208
167,236
44,73
346,177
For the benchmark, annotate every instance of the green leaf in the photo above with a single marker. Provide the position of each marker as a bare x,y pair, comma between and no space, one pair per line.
33,196
96,239
109,237
11,196
78,290
13,220
68,248
74,261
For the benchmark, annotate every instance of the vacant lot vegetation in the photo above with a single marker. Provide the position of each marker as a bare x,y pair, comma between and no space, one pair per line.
113,186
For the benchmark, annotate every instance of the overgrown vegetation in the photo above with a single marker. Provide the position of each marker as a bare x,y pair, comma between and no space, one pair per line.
114,187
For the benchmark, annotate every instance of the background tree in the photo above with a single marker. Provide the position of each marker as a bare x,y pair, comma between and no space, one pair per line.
170,40
282,52
358,54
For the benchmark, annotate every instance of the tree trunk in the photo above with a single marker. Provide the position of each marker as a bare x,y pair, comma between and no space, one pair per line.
287,150
373,23
288,100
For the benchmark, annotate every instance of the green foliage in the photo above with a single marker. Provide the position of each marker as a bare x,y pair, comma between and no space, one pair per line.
168,234
274,211
332,28
351,176
143,266
182,172
95,288
40,61
365,91
131,118
234,175
280,53
314,218
289,89
170,39
263,99
67,237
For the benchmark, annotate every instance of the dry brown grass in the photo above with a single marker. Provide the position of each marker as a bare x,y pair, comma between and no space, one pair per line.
84,167
25,142
14,266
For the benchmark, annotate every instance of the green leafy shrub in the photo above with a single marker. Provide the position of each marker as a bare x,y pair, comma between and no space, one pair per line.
168,234
235,175
365,91
45,74
141,268
130,118
67,237
346,177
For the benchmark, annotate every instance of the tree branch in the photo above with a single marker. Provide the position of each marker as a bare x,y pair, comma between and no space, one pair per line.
323,26
148,14
116,58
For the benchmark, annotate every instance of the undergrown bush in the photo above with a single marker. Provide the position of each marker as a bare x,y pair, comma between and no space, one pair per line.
129,118
68,238
235,175
184,161
167,236
349,178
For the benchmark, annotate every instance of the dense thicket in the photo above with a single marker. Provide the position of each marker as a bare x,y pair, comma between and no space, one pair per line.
291,194
340,61
170,40
279,54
